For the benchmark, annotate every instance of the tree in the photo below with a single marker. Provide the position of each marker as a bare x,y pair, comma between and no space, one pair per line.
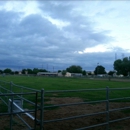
29,71
59,71
35,70
16,72
99,70
74,69
84,72
42,70
89,73
63,72
7,71
23,71
111,73
117,66
1,71
122,66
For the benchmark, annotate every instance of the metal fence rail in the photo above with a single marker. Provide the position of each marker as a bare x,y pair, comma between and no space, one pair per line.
107,111
12,112
9,91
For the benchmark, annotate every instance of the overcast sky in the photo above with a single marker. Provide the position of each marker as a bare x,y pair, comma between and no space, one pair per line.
54,35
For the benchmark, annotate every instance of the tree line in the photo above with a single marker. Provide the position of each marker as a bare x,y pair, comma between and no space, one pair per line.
78,69
29,71
121,66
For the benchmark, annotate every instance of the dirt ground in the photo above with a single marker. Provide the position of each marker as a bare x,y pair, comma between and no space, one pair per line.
76,110
64,112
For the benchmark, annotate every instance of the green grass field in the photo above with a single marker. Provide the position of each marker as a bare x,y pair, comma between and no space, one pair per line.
58,83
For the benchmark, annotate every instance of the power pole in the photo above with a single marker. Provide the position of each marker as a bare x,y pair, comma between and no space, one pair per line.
97,68
47,67
53,68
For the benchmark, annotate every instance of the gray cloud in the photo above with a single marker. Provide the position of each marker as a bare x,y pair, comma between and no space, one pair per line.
58,10
34,41
7,23
81,27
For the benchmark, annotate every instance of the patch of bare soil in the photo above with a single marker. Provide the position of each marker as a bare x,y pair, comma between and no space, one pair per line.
64,112
68,111
17,124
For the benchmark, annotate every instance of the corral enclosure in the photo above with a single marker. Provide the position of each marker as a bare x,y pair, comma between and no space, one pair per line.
66,96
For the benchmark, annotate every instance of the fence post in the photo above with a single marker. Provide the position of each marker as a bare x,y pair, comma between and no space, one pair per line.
36,95
107,107
11,112
42,111
11,86
22,95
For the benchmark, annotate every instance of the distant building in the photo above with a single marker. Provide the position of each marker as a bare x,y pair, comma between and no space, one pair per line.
26,72
114,75
76,74
60,74
100,75
19,72
120,75
89,72
47,73
66,75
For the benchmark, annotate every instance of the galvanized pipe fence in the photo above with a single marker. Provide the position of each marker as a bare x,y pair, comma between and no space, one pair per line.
107,101
9,92
18,101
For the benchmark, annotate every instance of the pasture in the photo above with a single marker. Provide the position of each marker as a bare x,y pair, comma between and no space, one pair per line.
63,83
52,85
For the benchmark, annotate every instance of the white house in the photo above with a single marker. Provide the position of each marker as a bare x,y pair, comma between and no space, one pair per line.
60,74
66,75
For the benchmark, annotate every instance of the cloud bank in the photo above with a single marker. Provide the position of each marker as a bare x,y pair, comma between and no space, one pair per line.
57,34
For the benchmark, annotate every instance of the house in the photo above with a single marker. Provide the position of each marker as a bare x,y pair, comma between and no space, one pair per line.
66,75
47,74
19,72
89,72
60,74
120,75
76,74
115,75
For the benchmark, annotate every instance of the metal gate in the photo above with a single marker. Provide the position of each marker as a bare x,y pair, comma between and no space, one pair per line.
20,105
